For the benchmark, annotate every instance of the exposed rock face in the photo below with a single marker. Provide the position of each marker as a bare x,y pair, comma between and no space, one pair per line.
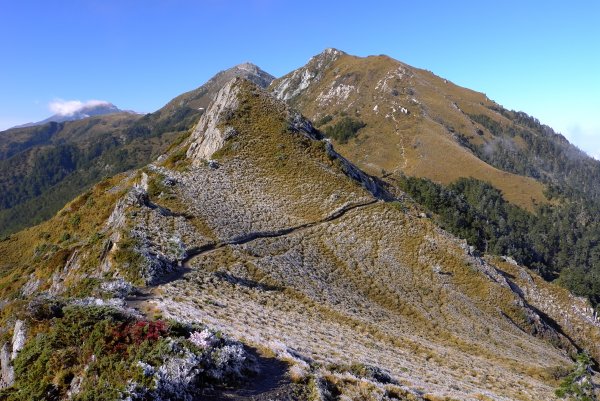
201,97
18,339
209,136
31,286
300,79
292,85
137,196
71,268
574,315
7,373
371,184
254,74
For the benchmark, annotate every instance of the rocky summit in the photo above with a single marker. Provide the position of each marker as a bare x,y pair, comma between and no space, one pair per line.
252,261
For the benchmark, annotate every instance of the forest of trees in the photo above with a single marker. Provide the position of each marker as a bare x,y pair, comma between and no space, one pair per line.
558,241
546,156
36,182
561,239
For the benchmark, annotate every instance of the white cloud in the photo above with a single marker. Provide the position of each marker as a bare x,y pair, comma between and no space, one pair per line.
70,107
584,136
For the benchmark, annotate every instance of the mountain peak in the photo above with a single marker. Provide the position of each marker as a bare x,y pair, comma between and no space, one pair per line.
246,122
75,107
216,125
200,98
327,56
332,51
294,83
248,66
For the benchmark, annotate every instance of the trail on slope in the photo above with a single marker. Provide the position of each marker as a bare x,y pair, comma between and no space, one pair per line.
244,239
272,382
138,300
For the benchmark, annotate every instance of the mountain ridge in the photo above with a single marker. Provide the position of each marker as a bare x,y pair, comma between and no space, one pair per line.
422,133
372,288
409,137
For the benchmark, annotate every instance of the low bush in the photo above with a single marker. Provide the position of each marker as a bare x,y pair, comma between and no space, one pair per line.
101,353
578,385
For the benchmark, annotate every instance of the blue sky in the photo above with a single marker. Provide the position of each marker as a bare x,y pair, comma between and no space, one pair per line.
541,57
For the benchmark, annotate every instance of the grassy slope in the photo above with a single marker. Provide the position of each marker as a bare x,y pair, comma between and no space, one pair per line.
419,143
363,288
38,252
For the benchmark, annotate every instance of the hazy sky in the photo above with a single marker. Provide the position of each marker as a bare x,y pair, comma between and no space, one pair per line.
542,57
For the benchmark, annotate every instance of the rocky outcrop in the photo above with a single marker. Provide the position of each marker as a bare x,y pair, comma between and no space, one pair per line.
299,123
253,73
31,286
371,184
137,196
209,135
71,268
8,354
572,315
18,339
154,236
293,84
7,373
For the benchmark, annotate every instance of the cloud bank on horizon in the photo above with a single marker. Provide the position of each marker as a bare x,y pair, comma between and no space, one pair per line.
585,136
70,107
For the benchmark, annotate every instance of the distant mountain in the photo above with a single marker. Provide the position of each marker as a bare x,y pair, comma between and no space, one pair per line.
79,112
44,165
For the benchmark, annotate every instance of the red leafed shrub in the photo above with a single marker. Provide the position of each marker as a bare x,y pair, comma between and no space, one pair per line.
147,331
129,333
